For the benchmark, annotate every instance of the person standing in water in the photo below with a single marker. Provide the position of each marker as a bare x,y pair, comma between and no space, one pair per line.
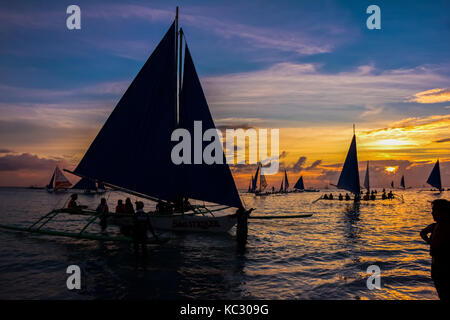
439,241
103,210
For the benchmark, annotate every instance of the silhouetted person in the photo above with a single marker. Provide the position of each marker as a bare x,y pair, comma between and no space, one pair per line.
439,242
384,196
120,208
141,223
341,197
331,196
325,196
347,197
103,210
373,196
242,225
73,202
129,209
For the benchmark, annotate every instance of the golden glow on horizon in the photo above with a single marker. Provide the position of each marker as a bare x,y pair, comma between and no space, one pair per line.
391,169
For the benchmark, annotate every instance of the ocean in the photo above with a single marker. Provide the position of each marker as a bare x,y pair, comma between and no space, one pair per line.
325,256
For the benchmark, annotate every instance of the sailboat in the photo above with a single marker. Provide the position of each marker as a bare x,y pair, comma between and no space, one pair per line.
286,182
299,185
349,178
402,182
434,179
165,95
58,182
367,179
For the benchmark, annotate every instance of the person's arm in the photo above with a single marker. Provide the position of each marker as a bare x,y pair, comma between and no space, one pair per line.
424,233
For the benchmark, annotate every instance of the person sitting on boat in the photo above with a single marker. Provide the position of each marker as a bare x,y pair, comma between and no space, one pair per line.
341,197
120,208
384,196
141,223
390,195
366,196
103,210
373,196
129,209
439,242
325,196
73,202
331,196
347,197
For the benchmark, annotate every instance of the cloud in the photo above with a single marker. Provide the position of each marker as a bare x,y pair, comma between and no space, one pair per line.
432,96
298,166
314,165
5,151
26,161
443,140
289,92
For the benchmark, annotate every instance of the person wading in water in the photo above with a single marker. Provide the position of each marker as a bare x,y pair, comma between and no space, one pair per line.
439,242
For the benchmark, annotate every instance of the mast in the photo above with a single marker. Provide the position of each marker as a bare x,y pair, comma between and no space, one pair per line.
176,93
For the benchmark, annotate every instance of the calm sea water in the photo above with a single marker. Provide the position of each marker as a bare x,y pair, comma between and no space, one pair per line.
322,257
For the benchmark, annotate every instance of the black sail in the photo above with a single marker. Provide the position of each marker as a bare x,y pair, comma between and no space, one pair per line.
133,148
208,182
349,178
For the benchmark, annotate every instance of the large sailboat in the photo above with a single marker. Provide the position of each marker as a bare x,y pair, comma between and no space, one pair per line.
165,95
58,182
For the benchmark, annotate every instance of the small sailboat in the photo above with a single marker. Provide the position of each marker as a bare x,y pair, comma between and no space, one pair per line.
286,182
392,184
299,185
58,182
434,179
402,182
367,179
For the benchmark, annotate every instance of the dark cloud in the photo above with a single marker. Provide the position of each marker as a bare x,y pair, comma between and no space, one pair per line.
26,161
5,151
314,165
443,140
298,166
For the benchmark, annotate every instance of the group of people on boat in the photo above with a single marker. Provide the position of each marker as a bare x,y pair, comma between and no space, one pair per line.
366,197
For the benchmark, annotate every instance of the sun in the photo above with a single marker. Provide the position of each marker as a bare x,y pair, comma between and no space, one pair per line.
390,169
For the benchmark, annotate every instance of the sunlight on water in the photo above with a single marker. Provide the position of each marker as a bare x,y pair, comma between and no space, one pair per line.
322,257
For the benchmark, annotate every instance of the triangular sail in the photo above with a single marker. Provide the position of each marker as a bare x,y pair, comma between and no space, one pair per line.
281,187
85,184
434,179
50,184
263,182
255,180
349,178
366,178
299,185
402,182
212,182
140,127
392,184
286,182
61,181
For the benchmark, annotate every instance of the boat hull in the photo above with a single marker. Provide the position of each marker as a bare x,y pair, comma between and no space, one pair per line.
186,222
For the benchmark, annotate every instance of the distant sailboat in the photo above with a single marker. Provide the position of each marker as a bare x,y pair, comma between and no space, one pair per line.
402,182
367,179
299,185
434,179
58,182
286,181
349,178
142,124
392,184
281,187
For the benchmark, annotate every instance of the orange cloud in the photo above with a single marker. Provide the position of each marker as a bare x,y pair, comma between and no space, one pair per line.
432,96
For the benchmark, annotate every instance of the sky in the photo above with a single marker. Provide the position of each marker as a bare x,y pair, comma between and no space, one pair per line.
310,68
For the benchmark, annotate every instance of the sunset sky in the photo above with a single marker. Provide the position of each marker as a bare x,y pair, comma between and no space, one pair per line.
310,68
